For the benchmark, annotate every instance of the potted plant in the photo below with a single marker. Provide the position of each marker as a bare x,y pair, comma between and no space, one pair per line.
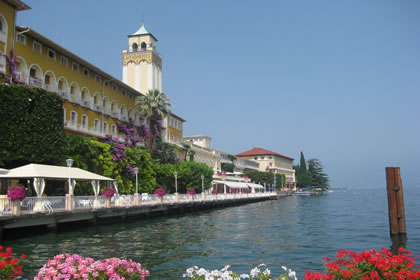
16,195
191,191
160,192
108,193
9,267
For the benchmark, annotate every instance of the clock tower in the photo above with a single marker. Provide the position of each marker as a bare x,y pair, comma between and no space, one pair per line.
142,64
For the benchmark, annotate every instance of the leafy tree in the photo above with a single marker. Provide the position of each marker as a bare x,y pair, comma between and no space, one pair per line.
165,153
112,160
189,176
191,155
154,107
232,158
260,177
227,167
319,177
281,180
165,176
31,122
186,147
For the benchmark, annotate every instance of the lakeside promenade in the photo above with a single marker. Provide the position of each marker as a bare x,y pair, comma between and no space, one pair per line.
53,211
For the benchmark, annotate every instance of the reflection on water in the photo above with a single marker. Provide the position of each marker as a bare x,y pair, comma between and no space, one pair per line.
293,231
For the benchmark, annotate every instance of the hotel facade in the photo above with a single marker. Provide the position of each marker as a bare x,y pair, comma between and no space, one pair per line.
94,101
271,162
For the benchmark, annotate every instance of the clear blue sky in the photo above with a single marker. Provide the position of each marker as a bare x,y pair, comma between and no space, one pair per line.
338,80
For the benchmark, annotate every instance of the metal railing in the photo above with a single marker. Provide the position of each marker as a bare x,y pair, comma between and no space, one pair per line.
123,201
88,202
50,205
47,205
37,82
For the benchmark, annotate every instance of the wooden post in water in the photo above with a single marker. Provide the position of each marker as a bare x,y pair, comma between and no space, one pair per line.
395,201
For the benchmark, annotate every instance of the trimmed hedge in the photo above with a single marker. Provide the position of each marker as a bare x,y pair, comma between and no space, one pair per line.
31,126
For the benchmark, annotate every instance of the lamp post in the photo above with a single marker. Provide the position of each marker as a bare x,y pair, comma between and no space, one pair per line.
136,171
176,182
69,196
202,187
136,195
176,187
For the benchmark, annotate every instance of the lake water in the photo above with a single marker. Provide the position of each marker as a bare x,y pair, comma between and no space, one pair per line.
293,231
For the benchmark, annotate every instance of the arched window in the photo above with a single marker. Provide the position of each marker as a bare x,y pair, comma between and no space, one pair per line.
143,46
135,47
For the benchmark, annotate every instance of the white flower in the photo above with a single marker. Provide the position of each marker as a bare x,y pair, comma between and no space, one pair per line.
267,272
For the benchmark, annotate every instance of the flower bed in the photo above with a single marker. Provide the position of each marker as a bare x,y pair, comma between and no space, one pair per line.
66,266
260,272
368,265
9,267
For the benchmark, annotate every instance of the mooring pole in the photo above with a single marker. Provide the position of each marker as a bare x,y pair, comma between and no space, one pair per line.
395,201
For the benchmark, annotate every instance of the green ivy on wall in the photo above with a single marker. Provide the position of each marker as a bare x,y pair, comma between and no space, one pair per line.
31,126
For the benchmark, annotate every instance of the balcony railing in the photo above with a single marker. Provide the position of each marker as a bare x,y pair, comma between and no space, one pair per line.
36,82
21,77
49,87
63,93
2,64
86,103
72,125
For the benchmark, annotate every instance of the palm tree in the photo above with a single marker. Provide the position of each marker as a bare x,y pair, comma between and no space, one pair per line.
154,107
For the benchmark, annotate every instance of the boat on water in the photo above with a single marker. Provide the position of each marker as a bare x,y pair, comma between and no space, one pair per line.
302,193
308,191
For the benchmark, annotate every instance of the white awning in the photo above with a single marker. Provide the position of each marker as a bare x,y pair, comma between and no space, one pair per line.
52,172
255,186
235,185
3,171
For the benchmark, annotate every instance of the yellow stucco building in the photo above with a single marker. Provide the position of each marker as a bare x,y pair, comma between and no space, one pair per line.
94,101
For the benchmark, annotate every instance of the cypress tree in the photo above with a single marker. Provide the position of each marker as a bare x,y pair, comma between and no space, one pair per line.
302,165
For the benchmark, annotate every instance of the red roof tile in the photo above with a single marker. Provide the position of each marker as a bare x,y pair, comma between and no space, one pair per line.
260,152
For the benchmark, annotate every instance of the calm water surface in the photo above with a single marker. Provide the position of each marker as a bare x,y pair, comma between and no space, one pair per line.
293,231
